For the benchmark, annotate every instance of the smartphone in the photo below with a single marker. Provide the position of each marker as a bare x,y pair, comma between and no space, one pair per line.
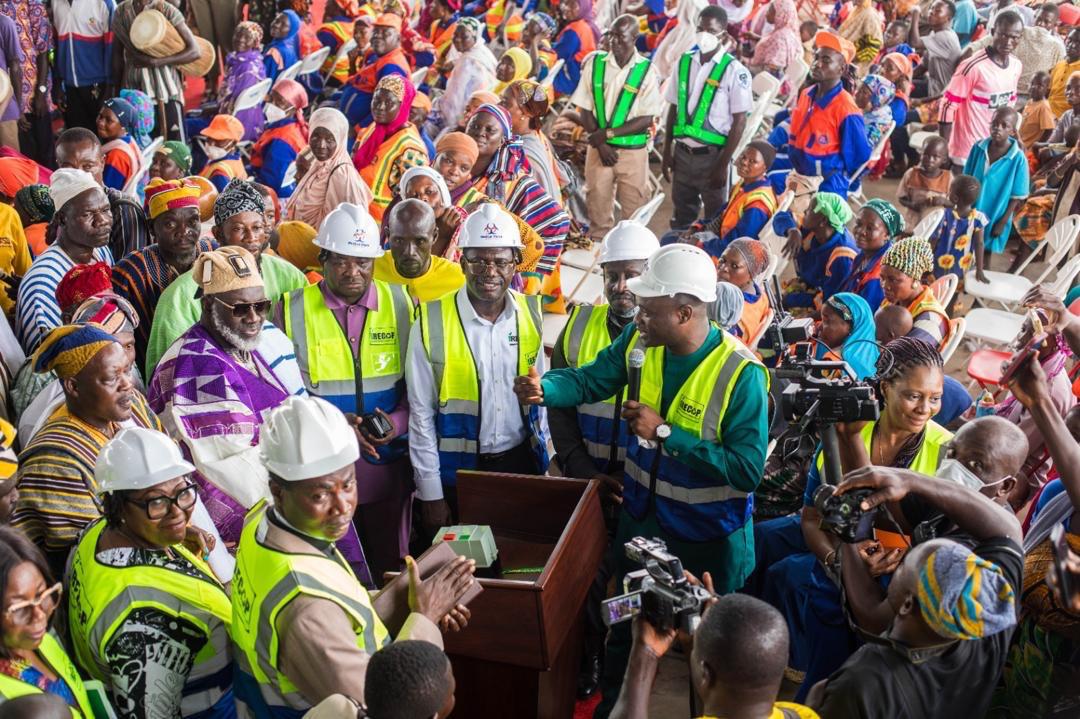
1022,356
1060,548
621,608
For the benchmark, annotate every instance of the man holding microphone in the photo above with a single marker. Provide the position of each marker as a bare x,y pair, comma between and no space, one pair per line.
698,429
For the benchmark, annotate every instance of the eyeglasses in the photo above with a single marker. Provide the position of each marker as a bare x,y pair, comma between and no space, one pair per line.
159,507
480,265
243,309
23,612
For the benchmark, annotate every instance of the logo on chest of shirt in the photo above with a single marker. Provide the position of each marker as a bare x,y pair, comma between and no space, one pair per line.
512,337
382,337
690,409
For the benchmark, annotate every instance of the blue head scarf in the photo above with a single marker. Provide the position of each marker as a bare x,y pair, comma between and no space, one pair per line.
124,112
288,46
859,349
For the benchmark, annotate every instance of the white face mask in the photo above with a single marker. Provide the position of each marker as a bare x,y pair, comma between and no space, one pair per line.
273,113
671,11
955,471
706,42
213,152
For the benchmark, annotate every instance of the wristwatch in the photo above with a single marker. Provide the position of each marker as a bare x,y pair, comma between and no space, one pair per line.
42,89
663,431
609,133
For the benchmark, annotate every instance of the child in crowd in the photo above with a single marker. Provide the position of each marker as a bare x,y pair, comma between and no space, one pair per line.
890,322
999,164
1037,120
123,158
873,97
958,238
807,31
219,141
926,185
896,35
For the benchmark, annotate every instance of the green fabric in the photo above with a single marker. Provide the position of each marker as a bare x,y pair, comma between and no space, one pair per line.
738,459
178,310
834,208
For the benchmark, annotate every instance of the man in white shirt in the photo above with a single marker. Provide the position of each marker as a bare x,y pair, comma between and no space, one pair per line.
619,99
465,350
710,97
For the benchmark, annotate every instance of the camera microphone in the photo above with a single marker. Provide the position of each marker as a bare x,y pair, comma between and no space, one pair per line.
633,374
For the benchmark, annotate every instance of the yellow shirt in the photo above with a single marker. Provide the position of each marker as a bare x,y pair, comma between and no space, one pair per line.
1059,78
14,252
792,710
441,278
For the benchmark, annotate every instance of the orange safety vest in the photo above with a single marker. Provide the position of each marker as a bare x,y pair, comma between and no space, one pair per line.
741,200
289,133
342,32
367,77
753,314
585,34
377,174
225,168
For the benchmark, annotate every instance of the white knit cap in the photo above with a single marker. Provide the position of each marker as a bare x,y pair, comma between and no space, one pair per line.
66,183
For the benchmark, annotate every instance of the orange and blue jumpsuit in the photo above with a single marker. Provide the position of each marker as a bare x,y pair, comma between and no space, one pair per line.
572,45
274,151
219,172
827,137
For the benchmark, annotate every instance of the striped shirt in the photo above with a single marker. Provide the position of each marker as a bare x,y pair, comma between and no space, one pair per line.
36,310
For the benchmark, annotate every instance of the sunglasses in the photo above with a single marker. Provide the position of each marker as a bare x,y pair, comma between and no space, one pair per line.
242,309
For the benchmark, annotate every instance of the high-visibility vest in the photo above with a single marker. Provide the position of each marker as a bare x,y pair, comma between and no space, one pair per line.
454,368
227,168
602,428
54,655
342,31
326,359
623,103
101,596
265,581
694,127
691,505
377,174
925,462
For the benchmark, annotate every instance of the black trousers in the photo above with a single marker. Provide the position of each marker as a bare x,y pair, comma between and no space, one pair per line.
83,106
692,186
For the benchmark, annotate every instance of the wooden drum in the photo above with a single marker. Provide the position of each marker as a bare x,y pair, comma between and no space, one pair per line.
207,58
152,34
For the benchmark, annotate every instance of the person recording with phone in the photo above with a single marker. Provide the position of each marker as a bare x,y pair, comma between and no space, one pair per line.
698,417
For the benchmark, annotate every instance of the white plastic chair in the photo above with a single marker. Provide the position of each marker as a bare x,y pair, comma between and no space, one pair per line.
774,242
919,139
756,339
549,79
581,286
928,223
314,61
291,72
1008,288
794,74
764,86
252,96
957,329
997,328
645,213
858,198
944,288
342,53
420,76
770,269
147,155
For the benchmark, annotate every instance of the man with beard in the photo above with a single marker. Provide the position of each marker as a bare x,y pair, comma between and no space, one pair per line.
464,352
142,276
413,230
85,222
239,221
56,472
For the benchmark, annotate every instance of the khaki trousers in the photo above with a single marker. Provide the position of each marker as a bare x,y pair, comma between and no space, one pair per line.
627,181
9,134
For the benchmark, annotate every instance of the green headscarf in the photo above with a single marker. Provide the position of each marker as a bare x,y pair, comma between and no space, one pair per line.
179,153
890,216
833,208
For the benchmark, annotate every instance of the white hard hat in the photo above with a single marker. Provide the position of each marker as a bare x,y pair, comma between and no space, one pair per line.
628,240
350,230
139,458
490,226
305,437
674,269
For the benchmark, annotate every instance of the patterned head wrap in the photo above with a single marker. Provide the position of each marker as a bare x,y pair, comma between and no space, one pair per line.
534,98
511,154
422,102
67,349
111,311
395,84
882,90
179,153
36,203
124,112
902,62
144,115
912,256
472,25
753,252
254,29
963,596
499,113
894,221
545,21
9,462
81,283
238,196
833,208
165,195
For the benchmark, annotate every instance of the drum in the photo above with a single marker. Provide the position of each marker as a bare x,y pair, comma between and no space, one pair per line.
207,198
152,34
207,58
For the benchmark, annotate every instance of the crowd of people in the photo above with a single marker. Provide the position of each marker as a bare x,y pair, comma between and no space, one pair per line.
252,338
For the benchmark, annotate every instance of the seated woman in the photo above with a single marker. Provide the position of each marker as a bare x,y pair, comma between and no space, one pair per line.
283,50
876,226
391,144
823,250
742,262
284,136
863,27
444,16
873,97
171,161
426,184
331,179
32,659
35,208
474,69
536,40
123,158
515,64
141,588
781,45
902,269
528,103
579,37
244,67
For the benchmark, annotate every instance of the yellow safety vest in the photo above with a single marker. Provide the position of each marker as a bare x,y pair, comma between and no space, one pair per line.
264,583
54,655
925,462
100,597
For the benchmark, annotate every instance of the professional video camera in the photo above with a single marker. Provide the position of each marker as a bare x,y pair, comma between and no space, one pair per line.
660,591
842,514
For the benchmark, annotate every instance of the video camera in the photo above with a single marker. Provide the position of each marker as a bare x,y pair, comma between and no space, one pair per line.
842,514
660,592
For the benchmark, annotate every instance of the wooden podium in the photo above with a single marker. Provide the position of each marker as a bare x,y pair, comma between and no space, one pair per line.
519,657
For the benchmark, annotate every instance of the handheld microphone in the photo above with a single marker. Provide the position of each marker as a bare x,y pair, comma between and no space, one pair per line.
633,375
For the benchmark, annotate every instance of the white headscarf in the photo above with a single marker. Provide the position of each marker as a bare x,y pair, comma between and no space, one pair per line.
680,39
736,13
424,171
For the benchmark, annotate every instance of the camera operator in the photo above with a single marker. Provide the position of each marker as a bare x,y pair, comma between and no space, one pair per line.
955,610
737,662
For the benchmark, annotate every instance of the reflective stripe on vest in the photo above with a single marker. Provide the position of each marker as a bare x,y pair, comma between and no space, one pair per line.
326,359
58,660
925,462
265,581
602,428
690,504
623,103
101,597
695,128
454,368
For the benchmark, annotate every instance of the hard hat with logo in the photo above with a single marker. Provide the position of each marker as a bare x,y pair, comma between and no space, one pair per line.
305,437
490,226
677,269
139,458
350,230
628,240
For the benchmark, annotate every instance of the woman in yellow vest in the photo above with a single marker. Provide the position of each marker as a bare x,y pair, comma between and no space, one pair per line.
391,144
148,616
32,660
903,269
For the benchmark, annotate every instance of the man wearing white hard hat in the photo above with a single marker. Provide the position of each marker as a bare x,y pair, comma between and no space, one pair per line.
700,429
303,627
464,352
350,333
143,576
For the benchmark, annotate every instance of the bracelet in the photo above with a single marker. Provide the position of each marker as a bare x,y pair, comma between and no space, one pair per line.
829,558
